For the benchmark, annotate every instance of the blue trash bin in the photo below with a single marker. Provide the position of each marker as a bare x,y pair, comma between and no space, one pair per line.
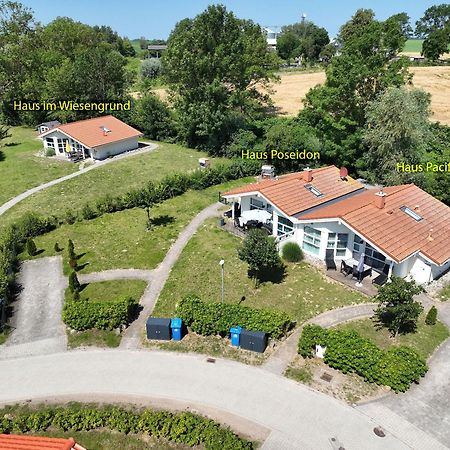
235,333
176,325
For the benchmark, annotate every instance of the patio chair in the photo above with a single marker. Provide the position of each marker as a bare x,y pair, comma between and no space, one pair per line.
329,259
346,269
383,277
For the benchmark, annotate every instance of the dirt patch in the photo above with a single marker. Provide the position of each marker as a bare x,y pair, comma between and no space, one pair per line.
350,388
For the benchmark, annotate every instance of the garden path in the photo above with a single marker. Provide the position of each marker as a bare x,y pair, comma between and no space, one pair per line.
10,203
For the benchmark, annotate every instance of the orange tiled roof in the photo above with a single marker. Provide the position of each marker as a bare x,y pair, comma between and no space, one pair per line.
288,192
15,442
389,228
90,132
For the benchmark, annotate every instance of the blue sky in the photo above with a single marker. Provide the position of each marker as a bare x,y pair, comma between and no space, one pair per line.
155,19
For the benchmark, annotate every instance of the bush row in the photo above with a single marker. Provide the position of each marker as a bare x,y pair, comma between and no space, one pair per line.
12,241
347,351
185,428
211,318
169,187
103,315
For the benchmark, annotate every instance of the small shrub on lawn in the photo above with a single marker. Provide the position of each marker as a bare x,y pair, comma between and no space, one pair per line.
183,427
291,252
50,152
87,212
31,247
69,217
76,296
102,315
211,318
74,284
57,248
71,250
431,317
347,351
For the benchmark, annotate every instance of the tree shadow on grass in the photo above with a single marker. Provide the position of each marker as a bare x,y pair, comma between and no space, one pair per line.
2,156
81,266
163,220
77,257
274,275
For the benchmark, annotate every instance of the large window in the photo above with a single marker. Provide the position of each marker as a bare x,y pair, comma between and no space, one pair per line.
358,247
256,204
285,226
374,258
338,242
311,240
62,145
50,142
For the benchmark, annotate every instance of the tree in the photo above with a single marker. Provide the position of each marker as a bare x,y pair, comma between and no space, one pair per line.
287,43
328,52
74,284
434,28
151,68
71,250
397,310
215,65
367,65
397,130
431,317
143,43
260,252
31,247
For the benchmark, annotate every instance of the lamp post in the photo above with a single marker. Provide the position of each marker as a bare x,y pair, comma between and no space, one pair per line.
221,263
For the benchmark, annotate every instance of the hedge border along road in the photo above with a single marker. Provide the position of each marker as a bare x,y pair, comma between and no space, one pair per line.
185,427
347,351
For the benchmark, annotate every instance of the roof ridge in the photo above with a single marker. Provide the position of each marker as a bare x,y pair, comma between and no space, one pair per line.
86,120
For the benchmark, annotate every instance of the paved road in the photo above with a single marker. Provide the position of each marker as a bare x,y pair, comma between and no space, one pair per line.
426,405
132,336
9,204
298,417
37,325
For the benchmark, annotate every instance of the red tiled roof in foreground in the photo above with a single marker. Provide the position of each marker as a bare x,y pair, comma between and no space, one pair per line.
288,192
389,228
16,442
91,134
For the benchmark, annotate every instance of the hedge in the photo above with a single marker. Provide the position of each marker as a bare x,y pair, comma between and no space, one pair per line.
347,351
211,318
184,428
103,315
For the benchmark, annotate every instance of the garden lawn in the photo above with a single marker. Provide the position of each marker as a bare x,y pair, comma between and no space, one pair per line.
120,240
444,293
413,45
115,178
304,293
21,168
424,341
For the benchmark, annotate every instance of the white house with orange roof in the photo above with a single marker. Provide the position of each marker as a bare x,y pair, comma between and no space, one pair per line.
97,138
401,230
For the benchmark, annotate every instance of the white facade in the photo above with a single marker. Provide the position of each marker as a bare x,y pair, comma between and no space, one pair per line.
316,237
115,148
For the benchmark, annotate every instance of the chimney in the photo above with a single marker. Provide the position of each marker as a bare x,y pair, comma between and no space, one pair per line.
380,199
307,175
343,173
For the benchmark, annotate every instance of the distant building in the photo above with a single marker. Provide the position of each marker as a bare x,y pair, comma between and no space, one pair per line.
45,126
271,37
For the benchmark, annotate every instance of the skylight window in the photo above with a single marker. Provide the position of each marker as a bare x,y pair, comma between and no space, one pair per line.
411,213
105,130
313,190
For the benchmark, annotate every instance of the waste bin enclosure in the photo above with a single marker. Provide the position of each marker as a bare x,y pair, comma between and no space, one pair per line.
158,328
235,333
255,341
176,326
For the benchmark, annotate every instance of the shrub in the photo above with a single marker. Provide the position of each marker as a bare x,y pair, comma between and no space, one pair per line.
57,248
31,247
87,212
292,252
73,264
69,217
431,317
50,151
71,250
76,296
349,352
151,68
74,284
183,427
32,225
210,318
102,315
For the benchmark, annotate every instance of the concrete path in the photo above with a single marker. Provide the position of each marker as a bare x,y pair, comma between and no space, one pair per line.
426,405
298,417
278,362
9,204
132,336
36,323
116,274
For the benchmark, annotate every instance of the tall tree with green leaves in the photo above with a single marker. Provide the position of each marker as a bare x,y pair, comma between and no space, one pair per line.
434,28
367,65
214,65
397,131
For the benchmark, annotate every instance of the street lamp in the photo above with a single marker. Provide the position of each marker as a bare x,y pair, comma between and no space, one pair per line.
221,263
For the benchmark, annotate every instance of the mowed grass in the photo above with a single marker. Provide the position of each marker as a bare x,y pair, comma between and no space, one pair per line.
424,341
444,293
413,45
304,293
115,178
121,240
21,168
93,338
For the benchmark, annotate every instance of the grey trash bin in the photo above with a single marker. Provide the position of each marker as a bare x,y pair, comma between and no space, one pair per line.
158,328
255,341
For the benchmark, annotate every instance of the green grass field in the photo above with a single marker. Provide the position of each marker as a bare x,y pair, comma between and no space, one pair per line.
424,341
115,178
304,293
444,293
413,45
120,240
21,168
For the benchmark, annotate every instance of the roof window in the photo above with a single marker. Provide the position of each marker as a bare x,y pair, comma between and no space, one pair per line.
313,190
411,213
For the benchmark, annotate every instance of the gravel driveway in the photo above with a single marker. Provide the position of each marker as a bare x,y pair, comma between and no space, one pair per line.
36,323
